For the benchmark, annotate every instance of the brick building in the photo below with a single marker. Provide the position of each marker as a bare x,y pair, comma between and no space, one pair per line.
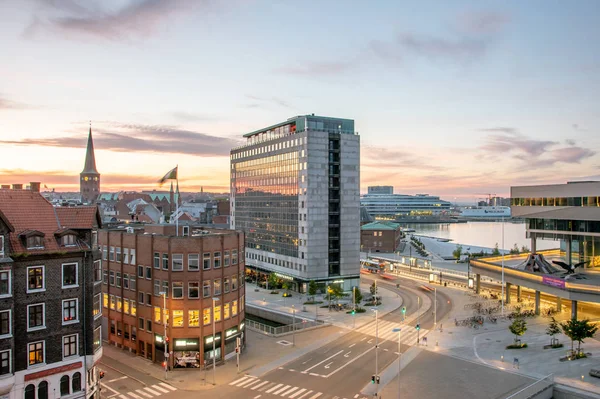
380,236
50,292
141,263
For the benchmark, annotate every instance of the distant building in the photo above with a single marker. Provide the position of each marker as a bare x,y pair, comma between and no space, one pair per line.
295,193
50,298
139,263
380,237
380,189
391,206
89,178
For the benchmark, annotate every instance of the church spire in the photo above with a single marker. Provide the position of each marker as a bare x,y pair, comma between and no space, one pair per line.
90,159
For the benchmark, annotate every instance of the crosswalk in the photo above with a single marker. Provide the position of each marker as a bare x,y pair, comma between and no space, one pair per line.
384,330
283,390
142,393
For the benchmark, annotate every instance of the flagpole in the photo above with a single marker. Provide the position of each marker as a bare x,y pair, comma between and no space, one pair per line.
177,203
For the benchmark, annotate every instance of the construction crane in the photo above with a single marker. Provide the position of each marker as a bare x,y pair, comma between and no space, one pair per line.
489,197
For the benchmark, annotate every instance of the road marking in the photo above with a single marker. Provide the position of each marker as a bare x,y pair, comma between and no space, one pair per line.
321,362
352,345
357,357
248,383
289,391
259,385
116,379
305,394
355,396
123,397
370,341
143,393
266,386
161,389
257,396
110,389
152,391
292,370
316,396
363,338
168,386
274,388
347,354
315,374
307,361
134,396
297,393
239,380
328,365
385,350
277,392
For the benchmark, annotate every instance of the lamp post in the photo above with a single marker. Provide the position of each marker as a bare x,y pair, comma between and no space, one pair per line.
434,307
214,301
164,295
293,325
353,307
376,354
502,265
399,331
418,316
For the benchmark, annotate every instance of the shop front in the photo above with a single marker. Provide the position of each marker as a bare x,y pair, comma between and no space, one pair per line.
159,348
209,355
186,353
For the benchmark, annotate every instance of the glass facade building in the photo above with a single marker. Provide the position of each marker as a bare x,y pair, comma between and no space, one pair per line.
286,195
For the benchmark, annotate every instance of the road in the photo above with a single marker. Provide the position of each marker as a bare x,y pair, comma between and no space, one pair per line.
342,368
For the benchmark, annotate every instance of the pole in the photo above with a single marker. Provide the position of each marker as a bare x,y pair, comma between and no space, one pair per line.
399,360
353,307
502,265
376,354
177,205
293,325
214,348
418,316
165,337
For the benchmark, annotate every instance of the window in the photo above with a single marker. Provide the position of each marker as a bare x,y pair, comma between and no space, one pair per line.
119,304
104,252
69,275
105,300
113,302
105,276
35,242
97,271
132,281
193,262
69,345
193,289
35,279
111,254
157,312
234,282
5,322
206,316
97,308
133,333
30,392
206,288
226,259
126,255
125,305
177,290
165,261
5,283
165,289
64,385
217,313
156,260
148,273
112,278
141,323
126,281
133,308
226,311
177,262
226,284
156,287
148,299
36,353
118,254
70,311
186,231
217,287
76,383
234,308
5,362
206,261
132,253
148,325
36,319
43,390
140,271
118,280
141,298
234,256
177,318
193,318
217,260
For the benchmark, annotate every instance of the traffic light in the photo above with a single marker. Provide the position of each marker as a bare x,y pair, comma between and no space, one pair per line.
101,374
418,327
353,311
237,350
403,309
164,364
378,379
373,379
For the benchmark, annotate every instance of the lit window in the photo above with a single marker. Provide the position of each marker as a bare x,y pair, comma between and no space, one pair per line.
35,279
217,313
206,316
226,311
97,308
36,353
126,305
105,300
177,318
70,311
193,318
157,313
234,308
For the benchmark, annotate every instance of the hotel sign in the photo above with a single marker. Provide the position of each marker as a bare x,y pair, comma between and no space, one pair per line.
554,282
52,371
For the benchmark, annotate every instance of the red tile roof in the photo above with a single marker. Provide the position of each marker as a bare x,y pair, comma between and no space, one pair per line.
78,217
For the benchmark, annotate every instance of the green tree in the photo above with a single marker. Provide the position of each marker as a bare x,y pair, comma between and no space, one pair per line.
457,252
552,330
514,250
312,289
357,296
286,286
373,288
578,330
496,250
336,292
524,249
273,281
518,327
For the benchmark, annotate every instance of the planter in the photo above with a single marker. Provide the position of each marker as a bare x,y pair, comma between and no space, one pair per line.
517,346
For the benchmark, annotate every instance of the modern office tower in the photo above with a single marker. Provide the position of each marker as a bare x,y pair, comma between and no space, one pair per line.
295,193
380,189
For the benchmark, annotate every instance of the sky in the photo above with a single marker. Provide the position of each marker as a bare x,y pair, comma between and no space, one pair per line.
452,98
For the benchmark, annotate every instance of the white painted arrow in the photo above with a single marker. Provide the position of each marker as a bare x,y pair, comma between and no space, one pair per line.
328,364
347,354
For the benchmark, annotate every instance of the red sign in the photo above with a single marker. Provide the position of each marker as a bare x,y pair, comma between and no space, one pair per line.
55,370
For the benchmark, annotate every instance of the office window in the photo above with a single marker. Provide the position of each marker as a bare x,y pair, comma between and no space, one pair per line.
5,323
126,306
141,323
193,289
165,261
133,308
217,313
193,318
5,283
140,271
36,318
141,298
36,353
118,280
156,287
226,311
97,306
226,259
177,263
105,276
70,311
193,262
69,345
5,362
105,300
157,314
148,325
165,288
177,318
132,282
206,316
119,304
234,256
206,288
118,254
234,280
126,255
126,281
226,284
217,286
35,279
111,254
206,261
97,271
234,308
148,299
177,290
148,273
113,302
112,278
217,260
104,252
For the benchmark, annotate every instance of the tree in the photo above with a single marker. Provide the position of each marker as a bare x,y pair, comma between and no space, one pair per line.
578,330
524,249
312,289
514,250
286,286
273,281
552,330
357,296
518,327
373,288
457,252
496,250
336,291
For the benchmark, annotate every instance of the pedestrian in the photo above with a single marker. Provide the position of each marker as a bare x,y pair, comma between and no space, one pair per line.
516,363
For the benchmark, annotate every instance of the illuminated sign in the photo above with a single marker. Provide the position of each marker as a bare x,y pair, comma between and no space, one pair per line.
338,281
182,343
158,338
230,332
283,276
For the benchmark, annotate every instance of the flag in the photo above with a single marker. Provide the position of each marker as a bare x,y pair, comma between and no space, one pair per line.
171,175
45,186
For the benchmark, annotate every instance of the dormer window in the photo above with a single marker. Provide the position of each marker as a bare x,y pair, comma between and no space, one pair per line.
68,240
35,242
1,246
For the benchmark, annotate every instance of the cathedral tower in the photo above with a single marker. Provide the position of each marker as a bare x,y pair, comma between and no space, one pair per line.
89,178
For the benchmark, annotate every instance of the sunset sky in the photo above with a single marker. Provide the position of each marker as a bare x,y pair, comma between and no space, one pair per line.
452,98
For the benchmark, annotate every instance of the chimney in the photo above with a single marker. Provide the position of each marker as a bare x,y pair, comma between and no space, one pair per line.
5,186
17,187
35,186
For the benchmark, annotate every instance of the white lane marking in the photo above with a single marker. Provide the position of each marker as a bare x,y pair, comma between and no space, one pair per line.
274,388
305,394
134,396
307,361
289,391
323,361
266,386
370,341
167,386
363,338
116,379
277,392
328,365
161,389
152,391
352,345
315,374
297,393
316,396
475,350
239,380
143,393
292,370
355,396
357,357
257,396
259,385
123,397
115,393
248,383
347,354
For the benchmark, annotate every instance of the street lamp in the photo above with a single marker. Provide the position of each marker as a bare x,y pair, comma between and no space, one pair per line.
353,307
164,295
376,354
399,331
502,265
214,301
293,325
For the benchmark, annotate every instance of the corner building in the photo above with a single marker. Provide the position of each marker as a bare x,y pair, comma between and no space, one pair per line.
192,268
295,194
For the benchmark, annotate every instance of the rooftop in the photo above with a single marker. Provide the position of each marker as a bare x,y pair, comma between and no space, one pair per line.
381,225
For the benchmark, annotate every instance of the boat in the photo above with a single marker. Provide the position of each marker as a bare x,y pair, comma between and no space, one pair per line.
485,212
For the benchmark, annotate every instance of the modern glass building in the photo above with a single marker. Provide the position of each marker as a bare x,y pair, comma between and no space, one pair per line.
568,212
295,193
389,205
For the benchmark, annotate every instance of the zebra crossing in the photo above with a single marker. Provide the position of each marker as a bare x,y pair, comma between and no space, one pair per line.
142,393
283,390
408,335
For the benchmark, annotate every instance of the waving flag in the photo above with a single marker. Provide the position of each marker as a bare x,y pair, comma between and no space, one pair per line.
171,175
